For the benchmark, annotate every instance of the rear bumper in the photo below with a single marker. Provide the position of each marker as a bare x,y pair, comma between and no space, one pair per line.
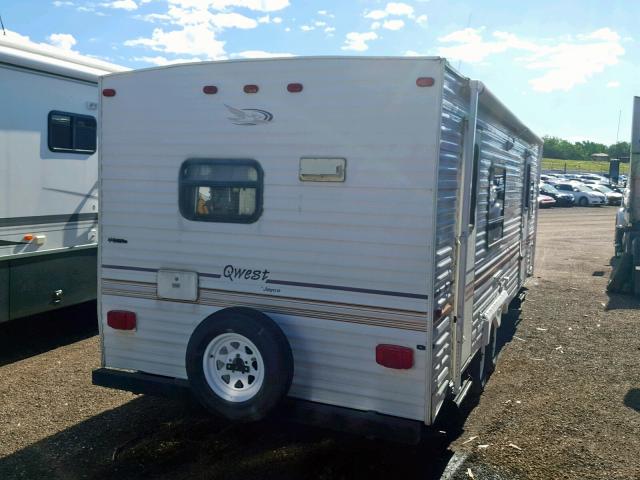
362,423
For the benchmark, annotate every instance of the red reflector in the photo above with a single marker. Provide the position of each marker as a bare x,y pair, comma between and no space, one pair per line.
210,89
394,356
425,81
121,320
251,89
294,87
109,92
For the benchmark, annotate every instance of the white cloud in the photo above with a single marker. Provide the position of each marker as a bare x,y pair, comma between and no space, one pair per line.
265,19
393,24
613,84
561,63
161,61
307,28
260,54
121,5
392,8
329,29
376,14
375,25
422,20
325,13
399,9
154,17
65,41
191,40
277,20
256,5
318,23
358,41
59,3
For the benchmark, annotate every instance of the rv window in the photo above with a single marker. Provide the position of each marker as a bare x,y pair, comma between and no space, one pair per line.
495,213
227,191
72,133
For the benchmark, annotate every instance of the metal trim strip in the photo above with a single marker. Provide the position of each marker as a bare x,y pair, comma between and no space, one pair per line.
47,219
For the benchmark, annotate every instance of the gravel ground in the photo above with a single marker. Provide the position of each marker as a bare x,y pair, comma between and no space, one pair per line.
564,401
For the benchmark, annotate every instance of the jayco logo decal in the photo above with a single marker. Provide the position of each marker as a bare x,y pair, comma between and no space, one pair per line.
249,116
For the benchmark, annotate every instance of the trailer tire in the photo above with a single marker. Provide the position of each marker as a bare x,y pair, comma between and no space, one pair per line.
239,364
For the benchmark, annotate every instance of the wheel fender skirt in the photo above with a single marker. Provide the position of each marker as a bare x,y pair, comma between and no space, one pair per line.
493,314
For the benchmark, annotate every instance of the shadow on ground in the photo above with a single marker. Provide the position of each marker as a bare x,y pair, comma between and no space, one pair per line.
163,439
172,439
632,399
25,337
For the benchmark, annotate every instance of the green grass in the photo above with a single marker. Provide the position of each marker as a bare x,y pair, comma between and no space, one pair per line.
580,165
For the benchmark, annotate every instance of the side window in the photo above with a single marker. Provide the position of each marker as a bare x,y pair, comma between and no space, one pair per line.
71,132
495,213
228,191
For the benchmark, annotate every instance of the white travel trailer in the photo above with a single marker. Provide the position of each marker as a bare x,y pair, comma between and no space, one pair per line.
342,231
48,177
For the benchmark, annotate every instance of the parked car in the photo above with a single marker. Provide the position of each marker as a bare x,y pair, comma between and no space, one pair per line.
583,194
595,178
545,201
613,198
563,199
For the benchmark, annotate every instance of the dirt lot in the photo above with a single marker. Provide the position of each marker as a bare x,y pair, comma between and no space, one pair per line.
564,401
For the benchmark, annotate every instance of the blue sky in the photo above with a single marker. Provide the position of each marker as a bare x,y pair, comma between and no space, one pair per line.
565,67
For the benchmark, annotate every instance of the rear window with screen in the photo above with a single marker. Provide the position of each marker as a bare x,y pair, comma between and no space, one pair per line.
228,191
72,132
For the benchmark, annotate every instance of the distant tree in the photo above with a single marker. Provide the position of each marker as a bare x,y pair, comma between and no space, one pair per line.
619,150
555,147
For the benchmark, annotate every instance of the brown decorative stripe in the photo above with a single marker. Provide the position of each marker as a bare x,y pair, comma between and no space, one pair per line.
499,263
366,315
349,289
293,284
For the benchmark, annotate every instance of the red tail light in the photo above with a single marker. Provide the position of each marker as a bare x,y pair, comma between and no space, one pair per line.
121,320
294,87
425,81
251,89
109,92
210,89
394,356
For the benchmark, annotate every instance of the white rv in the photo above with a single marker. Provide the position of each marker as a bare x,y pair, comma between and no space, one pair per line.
342,231
48,177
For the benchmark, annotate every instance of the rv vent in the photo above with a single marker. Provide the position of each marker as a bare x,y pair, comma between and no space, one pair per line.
314,169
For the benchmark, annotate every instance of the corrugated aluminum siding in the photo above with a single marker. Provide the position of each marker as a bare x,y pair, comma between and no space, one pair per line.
501,261
454,112
372,231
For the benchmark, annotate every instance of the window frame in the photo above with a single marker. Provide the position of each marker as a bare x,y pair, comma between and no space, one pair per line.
499,221
73,117
184,201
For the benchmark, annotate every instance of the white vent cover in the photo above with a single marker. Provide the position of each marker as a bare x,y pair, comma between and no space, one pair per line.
316,169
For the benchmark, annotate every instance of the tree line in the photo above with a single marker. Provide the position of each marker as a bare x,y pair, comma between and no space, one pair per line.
555,147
